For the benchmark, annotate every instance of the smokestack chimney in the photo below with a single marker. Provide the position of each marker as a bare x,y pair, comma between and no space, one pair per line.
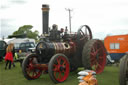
45,18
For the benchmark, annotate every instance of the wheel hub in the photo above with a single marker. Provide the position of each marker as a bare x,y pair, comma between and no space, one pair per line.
31,66
97,56
61,68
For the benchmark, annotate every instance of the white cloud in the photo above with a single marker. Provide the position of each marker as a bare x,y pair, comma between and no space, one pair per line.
103,16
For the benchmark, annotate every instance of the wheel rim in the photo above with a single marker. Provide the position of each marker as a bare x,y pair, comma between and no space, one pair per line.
85,32
98,57
32,72
61,69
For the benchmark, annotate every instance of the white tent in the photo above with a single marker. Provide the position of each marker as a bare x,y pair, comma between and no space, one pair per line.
18,40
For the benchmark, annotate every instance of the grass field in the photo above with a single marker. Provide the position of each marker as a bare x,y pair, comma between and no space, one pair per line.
15,77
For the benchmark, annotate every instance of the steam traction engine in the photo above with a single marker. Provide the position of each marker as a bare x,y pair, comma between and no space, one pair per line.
61,52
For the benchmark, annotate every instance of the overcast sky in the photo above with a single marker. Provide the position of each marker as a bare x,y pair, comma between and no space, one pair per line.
105,17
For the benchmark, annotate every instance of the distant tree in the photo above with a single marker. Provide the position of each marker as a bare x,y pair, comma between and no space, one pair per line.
26,29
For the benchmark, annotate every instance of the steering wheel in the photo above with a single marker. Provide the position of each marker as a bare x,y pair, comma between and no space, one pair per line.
84,32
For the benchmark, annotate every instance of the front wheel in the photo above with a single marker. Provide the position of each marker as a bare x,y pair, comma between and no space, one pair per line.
28,69
59,68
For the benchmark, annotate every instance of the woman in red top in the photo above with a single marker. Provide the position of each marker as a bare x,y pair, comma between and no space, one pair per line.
9,56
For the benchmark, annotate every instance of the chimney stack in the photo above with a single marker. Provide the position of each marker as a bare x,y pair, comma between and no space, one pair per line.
45,19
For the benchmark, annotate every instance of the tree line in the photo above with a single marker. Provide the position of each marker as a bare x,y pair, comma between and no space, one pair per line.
25,31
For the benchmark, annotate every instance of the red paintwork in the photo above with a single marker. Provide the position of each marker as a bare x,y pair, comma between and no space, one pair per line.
9,56
98,63
61,74
31,71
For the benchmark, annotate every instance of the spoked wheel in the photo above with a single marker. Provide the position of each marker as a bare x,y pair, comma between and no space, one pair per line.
58,68
123,76
29,71
94,56
84,32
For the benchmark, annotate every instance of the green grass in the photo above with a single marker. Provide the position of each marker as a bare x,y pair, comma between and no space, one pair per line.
15,77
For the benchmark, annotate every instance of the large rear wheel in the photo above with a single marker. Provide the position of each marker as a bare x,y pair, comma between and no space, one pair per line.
29,71
123,76
58,68
94,55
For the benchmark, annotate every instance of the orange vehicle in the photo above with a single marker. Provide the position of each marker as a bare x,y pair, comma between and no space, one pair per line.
116,46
